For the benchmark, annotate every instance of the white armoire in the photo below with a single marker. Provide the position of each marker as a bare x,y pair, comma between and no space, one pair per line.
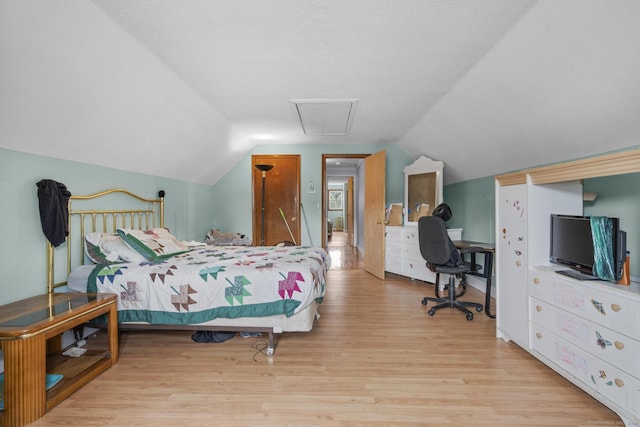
587,331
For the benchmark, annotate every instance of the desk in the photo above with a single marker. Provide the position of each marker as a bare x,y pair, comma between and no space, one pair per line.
25,327
488,249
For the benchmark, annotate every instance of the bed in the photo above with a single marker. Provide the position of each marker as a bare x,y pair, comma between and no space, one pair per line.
164,283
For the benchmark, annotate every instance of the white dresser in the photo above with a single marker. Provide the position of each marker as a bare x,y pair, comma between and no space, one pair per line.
587,331
590,333
402,252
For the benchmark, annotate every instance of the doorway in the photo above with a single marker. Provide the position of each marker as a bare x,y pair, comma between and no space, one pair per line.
342,214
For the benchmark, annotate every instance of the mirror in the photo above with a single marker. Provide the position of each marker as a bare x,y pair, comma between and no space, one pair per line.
422,189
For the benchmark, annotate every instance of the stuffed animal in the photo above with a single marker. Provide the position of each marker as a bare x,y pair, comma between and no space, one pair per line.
219,238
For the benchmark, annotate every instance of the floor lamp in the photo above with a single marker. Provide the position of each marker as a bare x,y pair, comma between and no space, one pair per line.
263,169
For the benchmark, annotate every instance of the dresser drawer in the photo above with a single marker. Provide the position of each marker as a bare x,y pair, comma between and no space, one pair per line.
417,270
414,265
393,234
410,235
412,251
393,264
393,249
614,310
393,257
592,372
610,346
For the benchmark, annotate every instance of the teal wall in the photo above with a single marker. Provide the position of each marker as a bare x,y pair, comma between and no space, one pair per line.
618,196
232,194
22,253
473,206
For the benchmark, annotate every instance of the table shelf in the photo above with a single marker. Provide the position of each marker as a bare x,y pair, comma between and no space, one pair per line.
29,333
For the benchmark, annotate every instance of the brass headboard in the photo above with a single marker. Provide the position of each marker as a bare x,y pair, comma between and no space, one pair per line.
147,213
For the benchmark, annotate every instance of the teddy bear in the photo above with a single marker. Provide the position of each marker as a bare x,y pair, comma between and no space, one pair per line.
219,238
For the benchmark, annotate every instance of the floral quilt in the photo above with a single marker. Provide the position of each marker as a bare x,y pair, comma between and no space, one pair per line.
216,281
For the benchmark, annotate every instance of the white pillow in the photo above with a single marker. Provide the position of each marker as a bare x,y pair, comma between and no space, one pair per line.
103,248
124,252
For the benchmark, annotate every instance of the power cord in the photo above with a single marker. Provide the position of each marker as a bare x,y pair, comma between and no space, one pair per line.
261,347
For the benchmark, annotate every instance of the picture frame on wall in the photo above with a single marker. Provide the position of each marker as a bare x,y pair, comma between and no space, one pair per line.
336,200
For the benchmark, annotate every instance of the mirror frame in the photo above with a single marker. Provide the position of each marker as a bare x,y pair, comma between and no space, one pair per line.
420,166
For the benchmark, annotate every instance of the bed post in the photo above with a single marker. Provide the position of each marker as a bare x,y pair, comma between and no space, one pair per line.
49,267
161,194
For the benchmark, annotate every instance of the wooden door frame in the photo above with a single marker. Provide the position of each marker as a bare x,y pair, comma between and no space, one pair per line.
325,157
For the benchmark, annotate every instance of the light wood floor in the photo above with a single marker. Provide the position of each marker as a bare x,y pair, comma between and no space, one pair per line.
343,256
374,358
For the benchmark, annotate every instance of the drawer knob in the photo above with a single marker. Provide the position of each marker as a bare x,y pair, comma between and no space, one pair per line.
536,280
616,307
619,345
518,263
619,382
539,335
538,308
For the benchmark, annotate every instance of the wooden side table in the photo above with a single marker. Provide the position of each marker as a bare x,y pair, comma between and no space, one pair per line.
25,327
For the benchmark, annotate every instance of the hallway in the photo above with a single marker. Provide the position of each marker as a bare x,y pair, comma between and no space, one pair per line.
343,255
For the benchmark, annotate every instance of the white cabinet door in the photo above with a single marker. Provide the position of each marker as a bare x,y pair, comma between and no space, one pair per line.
511,263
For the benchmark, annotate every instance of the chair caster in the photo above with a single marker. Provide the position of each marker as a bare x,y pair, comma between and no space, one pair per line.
425,301
478,308
432,312
470,316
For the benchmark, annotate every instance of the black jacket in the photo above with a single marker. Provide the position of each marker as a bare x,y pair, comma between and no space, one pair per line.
54,210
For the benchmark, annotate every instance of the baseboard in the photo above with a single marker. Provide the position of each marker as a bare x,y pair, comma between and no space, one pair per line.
481,284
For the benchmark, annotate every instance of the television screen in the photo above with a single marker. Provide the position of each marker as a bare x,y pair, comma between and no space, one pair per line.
571,242
572,245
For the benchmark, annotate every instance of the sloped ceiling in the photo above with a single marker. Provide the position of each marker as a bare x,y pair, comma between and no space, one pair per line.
185,89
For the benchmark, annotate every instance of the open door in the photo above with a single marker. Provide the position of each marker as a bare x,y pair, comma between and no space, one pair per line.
350,207
374,216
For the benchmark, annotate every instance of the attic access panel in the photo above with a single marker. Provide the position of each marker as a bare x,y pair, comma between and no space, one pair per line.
325,116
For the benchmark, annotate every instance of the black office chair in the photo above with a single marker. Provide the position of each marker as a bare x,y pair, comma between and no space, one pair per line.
436,250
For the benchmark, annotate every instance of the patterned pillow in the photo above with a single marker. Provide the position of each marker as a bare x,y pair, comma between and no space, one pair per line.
155,244
103,248
93,248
